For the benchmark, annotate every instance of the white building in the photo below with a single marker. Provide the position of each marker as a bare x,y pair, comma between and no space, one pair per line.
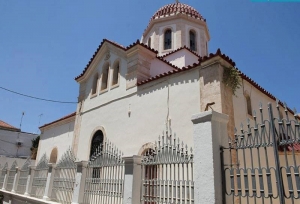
14,142
129,95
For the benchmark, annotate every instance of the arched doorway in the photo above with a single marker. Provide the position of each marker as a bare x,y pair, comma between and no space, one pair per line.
96,143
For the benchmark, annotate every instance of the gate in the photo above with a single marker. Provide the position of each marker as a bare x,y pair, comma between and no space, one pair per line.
11,176
261,164
105,176
24,171
64,178
167,173
40,178
3,173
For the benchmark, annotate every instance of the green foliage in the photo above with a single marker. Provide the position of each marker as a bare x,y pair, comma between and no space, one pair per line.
35,142
231,78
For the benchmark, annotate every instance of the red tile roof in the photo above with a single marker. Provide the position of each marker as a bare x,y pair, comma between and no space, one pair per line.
171,9
58,120
177,8
6,126
181,48
119,46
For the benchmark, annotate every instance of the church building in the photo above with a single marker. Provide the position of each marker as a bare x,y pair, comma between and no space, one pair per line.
155,123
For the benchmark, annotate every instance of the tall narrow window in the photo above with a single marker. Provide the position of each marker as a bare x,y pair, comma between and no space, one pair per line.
104,81
249,107
192,40
168,39
116,70
95,83
149,42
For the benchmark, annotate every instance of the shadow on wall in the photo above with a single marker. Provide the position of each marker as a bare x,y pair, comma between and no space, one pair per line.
179,79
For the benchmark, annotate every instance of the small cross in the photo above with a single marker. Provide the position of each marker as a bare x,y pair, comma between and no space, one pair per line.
177,1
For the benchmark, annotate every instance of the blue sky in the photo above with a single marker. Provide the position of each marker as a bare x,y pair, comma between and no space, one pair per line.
45,44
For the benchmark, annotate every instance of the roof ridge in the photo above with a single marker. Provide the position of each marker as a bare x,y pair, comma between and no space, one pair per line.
6,125
181,48
60,119
116,44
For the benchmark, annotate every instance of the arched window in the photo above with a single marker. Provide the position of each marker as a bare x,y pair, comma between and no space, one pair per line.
104,81
116,70
249,106
168,39
149,42
95,83
97,142
192,40
53,156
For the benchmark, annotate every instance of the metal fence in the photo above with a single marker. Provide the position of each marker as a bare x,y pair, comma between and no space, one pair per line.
22,182
40,178
261,163
105,176
3,173
64,178
11,176
167,173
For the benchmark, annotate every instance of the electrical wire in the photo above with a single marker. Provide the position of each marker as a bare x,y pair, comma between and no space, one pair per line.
37,98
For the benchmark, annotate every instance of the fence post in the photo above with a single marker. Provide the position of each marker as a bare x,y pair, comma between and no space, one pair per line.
132,179
49,182
16,180
29,181
5,179
210,133
79,184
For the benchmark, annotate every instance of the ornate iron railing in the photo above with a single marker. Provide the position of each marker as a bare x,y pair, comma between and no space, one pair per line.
64,178
40,178
261,164
3,173
22,182
11,176
105,176
167,172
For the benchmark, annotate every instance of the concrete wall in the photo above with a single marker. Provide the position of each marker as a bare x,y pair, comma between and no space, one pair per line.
8,140
60,137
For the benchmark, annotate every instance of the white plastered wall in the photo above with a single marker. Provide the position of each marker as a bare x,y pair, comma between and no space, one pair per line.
60,137
8,140
182,58
148,111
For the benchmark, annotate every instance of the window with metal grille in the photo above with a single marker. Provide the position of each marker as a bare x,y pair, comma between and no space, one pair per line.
96,148
168,39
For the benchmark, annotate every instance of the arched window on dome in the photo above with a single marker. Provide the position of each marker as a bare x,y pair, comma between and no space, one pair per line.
104,80
97,142
149,42
192,40
168,39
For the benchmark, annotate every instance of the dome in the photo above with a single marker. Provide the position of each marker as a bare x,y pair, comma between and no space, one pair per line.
174,8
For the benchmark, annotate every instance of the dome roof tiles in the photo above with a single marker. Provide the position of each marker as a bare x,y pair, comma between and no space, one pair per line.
177,8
